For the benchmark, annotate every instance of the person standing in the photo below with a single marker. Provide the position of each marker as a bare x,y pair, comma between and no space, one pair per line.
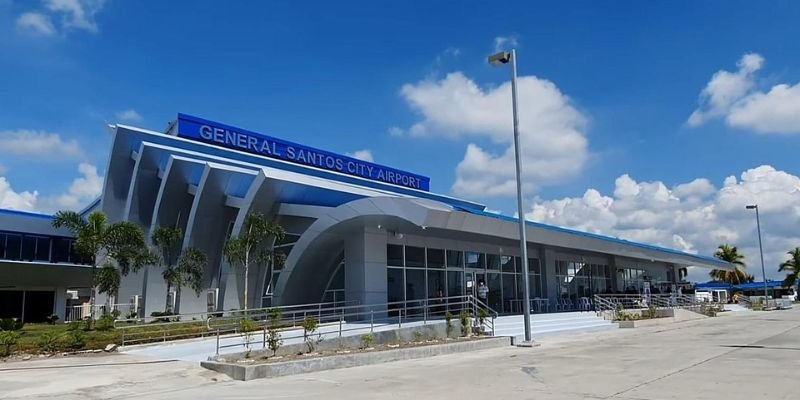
483,292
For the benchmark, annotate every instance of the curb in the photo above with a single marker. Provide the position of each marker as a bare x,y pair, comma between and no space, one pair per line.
260,371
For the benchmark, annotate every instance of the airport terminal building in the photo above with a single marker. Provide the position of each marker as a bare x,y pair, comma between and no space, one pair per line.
356,231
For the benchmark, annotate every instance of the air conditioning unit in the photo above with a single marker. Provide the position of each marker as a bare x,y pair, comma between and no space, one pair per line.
211,299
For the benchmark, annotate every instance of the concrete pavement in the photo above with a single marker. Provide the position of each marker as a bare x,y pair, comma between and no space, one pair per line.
736,356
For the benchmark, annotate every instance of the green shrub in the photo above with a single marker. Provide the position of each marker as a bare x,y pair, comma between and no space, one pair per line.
163,316
418,336
464,317
274,341
75,339
366,340
49,342
448,318
10,324
78,326
310,325
247,325
8,339
105,323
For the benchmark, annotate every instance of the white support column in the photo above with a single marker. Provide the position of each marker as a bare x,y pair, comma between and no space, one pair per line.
365,267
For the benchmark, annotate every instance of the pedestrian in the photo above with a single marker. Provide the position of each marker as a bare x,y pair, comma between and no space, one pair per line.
483,292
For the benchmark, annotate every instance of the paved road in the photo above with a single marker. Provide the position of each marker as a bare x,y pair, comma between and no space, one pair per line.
689,360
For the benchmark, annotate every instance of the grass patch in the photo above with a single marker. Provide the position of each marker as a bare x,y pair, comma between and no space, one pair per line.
31,338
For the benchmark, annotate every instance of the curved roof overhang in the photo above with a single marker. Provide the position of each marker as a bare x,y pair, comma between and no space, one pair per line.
326,235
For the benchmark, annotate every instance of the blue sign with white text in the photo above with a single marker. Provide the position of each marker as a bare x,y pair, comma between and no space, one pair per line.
239,139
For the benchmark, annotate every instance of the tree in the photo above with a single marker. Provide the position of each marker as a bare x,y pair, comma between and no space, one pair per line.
122,243
736,276
792,266
250,247
179,267
167,241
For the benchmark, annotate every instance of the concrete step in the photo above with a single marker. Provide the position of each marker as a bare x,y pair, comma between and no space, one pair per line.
511,330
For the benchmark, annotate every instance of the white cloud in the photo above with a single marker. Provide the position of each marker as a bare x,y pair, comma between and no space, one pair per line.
396,131
24,201
76,14
39,143
734,97
129,115
71,15
552,139
363,155
502,43
693,217
80,193
36,22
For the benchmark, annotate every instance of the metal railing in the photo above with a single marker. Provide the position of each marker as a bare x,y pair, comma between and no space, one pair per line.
352,319
82,311
337,318
190,325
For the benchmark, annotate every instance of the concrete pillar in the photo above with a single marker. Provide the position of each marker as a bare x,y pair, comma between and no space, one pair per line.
549,267
365,267
60,303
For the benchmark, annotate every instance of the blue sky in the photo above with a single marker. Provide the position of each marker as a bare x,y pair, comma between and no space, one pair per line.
622,79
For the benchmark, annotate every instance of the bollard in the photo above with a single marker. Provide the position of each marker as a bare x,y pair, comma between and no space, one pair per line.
217,342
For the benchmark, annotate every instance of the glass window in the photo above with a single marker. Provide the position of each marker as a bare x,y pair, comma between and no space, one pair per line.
394,255
415,257
475,260
455,283
533,266
435,258
492,261
2,245
509,293
13,247
42,249
455,259
507,264
436,284
493,281
61,250
28,248
415,286
394,285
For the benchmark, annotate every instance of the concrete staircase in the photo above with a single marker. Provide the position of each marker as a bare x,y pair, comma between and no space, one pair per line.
552,324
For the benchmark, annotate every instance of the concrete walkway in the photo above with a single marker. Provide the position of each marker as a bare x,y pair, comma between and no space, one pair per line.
745,356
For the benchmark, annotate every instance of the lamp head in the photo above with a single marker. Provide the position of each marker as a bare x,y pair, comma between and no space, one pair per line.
751,206
500,58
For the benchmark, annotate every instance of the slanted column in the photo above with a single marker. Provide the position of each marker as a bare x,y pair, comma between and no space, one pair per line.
365,267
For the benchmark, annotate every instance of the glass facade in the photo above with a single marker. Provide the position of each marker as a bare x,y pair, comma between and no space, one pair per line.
27,247
581,279
418,274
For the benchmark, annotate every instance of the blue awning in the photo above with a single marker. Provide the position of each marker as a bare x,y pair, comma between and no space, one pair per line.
760,285
713,286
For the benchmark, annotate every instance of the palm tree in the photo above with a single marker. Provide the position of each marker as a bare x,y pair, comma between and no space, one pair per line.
730,254
792,266
179,267
121,242
251,247
167,241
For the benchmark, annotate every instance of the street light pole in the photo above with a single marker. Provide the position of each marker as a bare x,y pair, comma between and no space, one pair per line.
504,58
760,249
